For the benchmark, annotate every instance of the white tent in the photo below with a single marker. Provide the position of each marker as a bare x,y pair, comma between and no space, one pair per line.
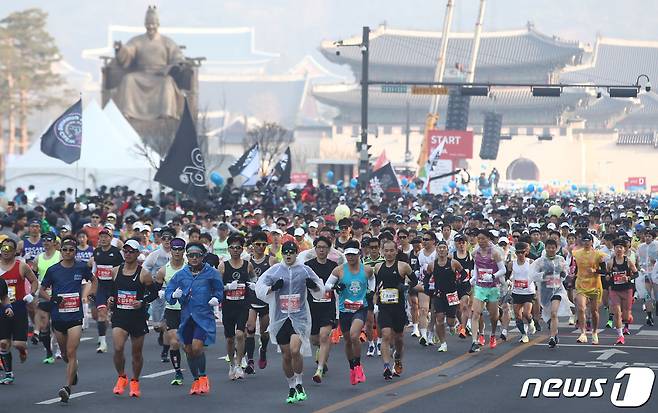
108,157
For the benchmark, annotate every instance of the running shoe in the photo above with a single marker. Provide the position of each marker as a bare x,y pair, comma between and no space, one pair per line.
239,373
164,358
475,347
120,386
317,377
301,393
443,347
360,375
532,329
620,340
492,342
452,330
102,348
422,341
481,339
388,374
595,338
650,321
363,337
335,336
292,396
537,325
608,324
58,355
178,379
48,360
243,362
22,354
64,394
204,385
8,379
262,361
353,380
195,387
231,372
626,331
415,332
503,335
551,342
572,321
371,350
524,339
397,368
462,332
582,338
379,349
134,388
34,339
250,367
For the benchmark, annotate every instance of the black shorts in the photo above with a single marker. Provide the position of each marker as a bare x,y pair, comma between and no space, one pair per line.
321,317
261,311
64,326
441,306
346,319
234,317
103,292
522,298
463,288
172,319
285,333
556,298
14,328
392,316
134,325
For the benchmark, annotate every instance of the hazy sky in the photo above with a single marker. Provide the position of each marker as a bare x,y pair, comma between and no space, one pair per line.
294,28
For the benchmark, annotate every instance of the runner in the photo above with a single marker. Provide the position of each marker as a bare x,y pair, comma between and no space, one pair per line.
13,330
352,281
588,286
236,275
425,257
130,295
392,317
323,310
198,288
172,311
463,256
413,292
42,262
371,260
258,309
284,286
65,280
621,273
523,290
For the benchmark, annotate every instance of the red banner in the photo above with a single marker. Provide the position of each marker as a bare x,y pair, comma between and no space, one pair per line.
654,189
458,143
636,181
298,178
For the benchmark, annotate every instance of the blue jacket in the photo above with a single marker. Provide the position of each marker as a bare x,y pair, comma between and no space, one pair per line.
197,291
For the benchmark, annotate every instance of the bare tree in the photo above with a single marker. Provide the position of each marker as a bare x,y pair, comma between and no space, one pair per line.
272,139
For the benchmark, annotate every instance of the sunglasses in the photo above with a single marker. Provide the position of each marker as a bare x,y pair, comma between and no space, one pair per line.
235,247
166,238
68,249
260,244
289,252
130,251
343,228
194,255
402,237
178,248
6,248
427,239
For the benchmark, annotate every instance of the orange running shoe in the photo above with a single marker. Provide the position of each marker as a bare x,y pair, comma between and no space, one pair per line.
397,368
195,387
462,332
492,342
122,381
481,339
363,337
134,388
204,385
335,335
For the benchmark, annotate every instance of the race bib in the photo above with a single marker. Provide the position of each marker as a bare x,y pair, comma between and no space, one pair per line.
389,296
70,303
453,298
520,283
104,272
485,276
289,303
126,300
619,277
553,281
12,293
326,298
352,306
237,294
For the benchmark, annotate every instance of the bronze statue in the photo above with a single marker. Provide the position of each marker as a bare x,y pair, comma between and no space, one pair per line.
148,91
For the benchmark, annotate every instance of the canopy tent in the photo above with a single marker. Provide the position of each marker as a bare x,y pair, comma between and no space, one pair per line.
109,156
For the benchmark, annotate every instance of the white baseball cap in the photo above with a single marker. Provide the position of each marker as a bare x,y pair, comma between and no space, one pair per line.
132,244
299,232
313,224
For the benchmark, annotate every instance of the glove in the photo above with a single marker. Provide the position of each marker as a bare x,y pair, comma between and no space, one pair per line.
91,298
28,298
252,286
370,295
161,294
277,285
56,299
178,293
340,287
232,285
311,285
214,302
375,308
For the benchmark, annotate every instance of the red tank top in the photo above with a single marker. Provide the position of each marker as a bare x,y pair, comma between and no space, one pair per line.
15,282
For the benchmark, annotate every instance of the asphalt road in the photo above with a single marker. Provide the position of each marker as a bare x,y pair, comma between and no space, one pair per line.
489,381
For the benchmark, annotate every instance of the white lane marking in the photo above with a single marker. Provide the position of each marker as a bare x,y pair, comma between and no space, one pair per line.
158,374
73,396
86,339
653,333
601,345
606,354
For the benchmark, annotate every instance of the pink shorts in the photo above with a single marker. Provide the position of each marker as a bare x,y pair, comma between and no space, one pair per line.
623,298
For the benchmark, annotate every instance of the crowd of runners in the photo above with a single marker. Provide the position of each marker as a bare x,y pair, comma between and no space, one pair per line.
305,271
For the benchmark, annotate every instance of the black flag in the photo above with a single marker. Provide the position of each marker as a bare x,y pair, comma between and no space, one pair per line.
384,180
183,168
282,169
63,138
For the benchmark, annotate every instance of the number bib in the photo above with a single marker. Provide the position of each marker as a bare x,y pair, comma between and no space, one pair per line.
237,294
553,281
619,278
485,276
352,306
453,298
520,283
326,298
12,293
70,303
126,300
430,284
389,296
104,272
289,303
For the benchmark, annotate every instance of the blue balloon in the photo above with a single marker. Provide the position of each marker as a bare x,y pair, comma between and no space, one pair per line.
612,188
445,188
487,192
530,188
540,189
354,182
339,183
330,175
404,181
574,187
216,178
423,192
452,184
653,204
462,188
412,186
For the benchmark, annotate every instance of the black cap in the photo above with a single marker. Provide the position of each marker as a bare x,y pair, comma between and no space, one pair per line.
587,237
289,246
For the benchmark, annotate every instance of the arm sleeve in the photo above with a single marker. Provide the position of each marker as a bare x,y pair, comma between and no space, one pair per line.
149,262
331,282
264,283
171,287
371,283
501,270
474,274
413,279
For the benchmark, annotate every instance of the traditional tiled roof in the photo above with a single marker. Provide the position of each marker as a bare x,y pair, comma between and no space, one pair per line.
643,118
419,50
605,112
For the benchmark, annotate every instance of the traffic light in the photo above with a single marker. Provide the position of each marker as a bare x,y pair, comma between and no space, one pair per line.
458,107
491,135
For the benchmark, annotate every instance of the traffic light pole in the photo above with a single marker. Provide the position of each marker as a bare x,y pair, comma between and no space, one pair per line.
364,165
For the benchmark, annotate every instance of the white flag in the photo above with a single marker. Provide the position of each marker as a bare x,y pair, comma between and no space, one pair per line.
252,168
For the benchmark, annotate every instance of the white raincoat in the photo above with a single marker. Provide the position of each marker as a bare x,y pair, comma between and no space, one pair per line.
549,274
290,301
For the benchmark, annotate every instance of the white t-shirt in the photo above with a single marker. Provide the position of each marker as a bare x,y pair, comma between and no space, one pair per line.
521,281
